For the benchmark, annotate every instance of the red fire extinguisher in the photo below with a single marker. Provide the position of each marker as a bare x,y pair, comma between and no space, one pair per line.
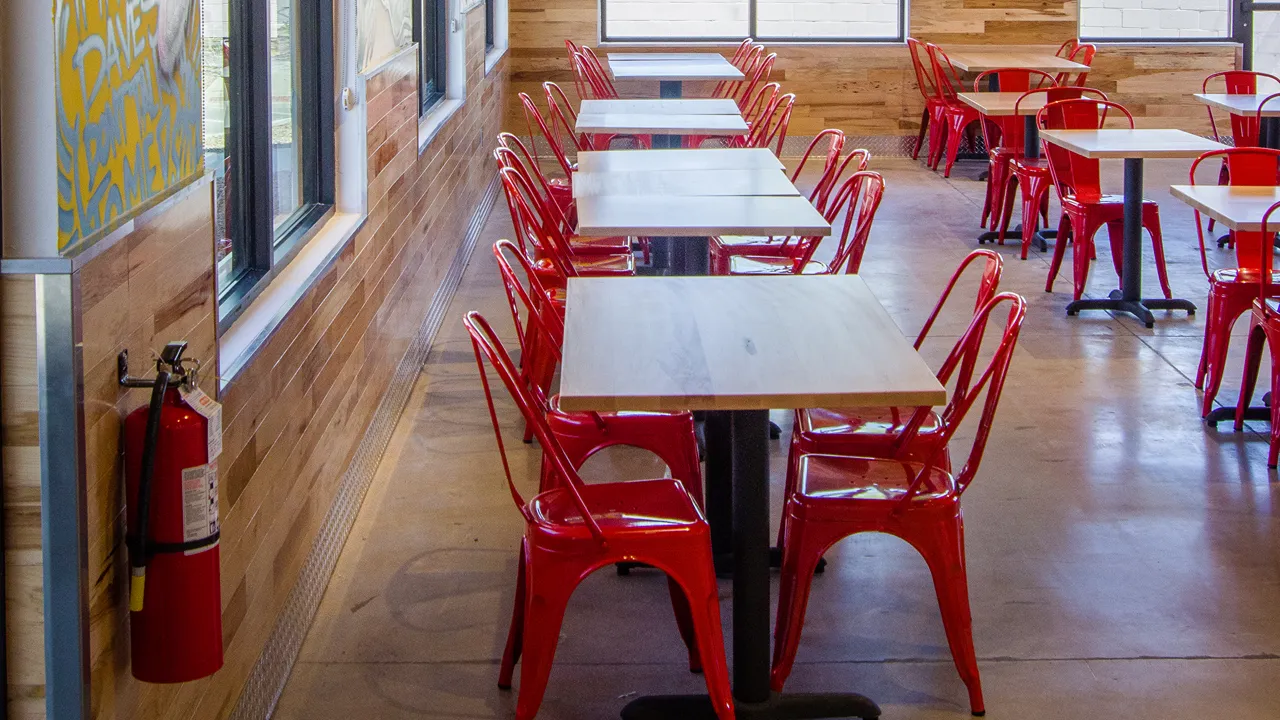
171,493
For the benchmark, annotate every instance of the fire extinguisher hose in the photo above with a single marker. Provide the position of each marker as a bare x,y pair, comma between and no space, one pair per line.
140,552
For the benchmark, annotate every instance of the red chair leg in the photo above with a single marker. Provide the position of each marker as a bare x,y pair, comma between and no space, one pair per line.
942,545
515,635
1006,208
1082,253
793,477
1252,362
937,138
924,127
1220,317
1151,221
684,621
1115,236
1273,453
550,583
698,582
955,133
1059,250
805,543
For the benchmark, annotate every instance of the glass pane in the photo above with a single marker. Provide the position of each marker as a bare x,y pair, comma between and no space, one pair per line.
286,163
1266,42
677,18
433,49
838,19
216,71
1167,20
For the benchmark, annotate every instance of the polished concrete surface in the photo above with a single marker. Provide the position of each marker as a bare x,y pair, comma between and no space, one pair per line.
1124,559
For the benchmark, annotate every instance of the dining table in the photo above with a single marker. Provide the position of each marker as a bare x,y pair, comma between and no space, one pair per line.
975,59
736,347
1133,146
1010,104
1241,208
1248,106
671,70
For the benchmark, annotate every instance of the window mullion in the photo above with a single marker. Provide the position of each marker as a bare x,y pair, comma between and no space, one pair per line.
254,133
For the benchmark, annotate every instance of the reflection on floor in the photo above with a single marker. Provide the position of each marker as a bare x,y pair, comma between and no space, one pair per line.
1124,560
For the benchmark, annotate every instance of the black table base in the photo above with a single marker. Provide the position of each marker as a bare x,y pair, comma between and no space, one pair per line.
1039,241
798,706
1228,414
1140,308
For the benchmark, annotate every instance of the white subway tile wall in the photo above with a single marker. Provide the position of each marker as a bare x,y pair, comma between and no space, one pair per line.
1266,43
1163,19
862,19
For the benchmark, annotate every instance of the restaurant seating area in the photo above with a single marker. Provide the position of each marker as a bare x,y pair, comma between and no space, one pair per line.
739,360
665,279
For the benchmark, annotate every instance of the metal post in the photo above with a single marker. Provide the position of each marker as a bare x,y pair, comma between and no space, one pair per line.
719,495
1132,276
751,616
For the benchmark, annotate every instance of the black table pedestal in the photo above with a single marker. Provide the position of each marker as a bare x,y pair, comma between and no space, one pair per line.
1129,298
748,453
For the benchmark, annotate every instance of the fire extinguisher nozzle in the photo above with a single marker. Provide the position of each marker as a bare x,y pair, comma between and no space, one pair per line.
137,589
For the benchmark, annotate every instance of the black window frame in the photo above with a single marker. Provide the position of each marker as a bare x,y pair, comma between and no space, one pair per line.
753,32
489,29
432,57
261,248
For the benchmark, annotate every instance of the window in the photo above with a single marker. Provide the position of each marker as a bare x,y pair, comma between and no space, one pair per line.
1181,20
430,32
489,6
268,133
838,20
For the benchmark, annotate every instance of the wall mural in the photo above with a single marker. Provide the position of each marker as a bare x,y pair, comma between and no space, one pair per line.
385,27
128,107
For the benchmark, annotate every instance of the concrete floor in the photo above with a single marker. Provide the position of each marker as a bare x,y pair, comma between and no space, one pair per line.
1124,559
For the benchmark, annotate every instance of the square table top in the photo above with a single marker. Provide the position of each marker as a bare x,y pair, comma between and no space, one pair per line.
745,181
1238,207
1124,143
1241,104
736,343
678,159
698,216
662,124
1001,104
671,106
713,67
980,58
666,57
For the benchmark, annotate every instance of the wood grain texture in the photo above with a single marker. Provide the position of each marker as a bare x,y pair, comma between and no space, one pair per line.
683,216
871,89
713,67
1115,143
682,106
661,124
736,343
677,160
1000,104
295,414
691,183
23,591
1239,207
980,58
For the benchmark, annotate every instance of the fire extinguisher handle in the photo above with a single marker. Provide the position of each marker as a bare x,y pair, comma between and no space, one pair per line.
141,552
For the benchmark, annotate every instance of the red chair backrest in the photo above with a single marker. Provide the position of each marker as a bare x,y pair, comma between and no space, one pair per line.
962,363
1008,131
579,82
520,159
988,283
563,119
945,75
597,80
1245,166
740,55
538,325
533,222
1244,128
1066,48
1082,53
532,117
925,80
862,194
1075,174
858,159
758,71
1266,288
769,130
1014,131
489,351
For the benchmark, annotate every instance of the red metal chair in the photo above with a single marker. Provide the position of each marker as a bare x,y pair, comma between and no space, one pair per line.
858,199
1082,53
579,82
1003,136
768,129
1231,290
723,248
918,501
881,432
1066,48
1031,176
932,119
1244,128
557,143
1264,329
742,59
559,189
555,259
540,333
957,116
1085,209
599,85
575,529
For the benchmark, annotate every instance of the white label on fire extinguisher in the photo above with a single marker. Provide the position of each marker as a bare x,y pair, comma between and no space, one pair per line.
212,411
199,504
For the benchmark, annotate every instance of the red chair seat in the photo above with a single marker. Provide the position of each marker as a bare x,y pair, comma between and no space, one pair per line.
859,425
827,479
600,246
605,264
639,506
744,265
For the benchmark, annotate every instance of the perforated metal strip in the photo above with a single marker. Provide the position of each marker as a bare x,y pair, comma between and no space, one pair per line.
267,679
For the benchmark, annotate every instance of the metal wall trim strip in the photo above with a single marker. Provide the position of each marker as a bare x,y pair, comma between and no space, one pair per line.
267,679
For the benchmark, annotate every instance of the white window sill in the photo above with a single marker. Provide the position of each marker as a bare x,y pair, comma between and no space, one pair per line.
430,124
492,58
251,330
